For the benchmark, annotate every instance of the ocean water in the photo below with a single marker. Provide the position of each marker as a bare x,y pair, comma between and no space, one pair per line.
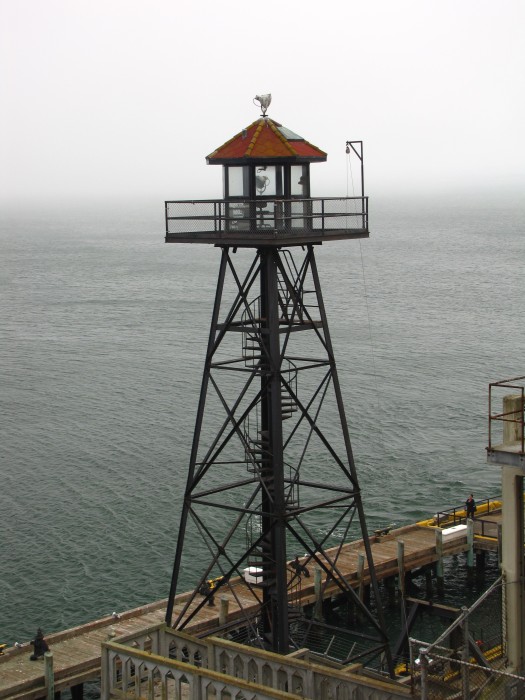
103,329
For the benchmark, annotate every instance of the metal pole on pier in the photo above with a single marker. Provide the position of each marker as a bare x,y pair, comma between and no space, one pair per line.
465,671
49,675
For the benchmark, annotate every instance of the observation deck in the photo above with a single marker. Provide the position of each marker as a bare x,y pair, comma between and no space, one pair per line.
266,222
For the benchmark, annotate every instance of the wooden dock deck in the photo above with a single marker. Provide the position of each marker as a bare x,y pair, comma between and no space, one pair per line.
77,652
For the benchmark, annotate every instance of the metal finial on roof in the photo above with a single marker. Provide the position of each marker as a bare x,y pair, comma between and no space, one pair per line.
264,102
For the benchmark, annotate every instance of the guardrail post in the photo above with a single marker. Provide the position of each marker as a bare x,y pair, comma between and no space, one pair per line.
423,665
49,675
105,676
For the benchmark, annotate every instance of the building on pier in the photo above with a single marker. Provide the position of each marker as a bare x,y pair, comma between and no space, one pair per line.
506,449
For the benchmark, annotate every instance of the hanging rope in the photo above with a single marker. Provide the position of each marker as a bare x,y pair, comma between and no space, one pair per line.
350,177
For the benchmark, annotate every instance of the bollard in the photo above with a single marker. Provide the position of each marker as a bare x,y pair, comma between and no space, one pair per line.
49,675
223,610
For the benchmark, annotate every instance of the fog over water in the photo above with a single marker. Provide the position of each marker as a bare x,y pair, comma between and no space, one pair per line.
125,99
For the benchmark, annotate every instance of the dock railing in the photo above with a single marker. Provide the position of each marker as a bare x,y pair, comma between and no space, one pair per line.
458,514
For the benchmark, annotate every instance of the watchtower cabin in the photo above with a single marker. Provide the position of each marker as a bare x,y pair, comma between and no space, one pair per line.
271,481
267,198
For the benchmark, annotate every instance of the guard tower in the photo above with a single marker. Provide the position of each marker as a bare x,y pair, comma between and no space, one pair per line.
272,490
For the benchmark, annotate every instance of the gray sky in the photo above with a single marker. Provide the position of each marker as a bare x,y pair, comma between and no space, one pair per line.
125,98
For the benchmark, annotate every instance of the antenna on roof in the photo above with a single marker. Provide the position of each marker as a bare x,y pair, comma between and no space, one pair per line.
264,102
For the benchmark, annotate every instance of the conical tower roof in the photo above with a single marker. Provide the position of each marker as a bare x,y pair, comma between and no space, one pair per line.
266,141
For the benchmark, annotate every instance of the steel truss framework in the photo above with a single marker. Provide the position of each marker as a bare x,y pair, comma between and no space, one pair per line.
271,471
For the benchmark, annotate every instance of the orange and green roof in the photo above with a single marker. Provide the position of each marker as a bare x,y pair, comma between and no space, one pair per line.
263,141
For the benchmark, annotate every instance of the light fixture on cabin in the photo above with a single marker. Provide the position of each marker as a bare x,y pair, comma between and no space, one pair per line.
261,183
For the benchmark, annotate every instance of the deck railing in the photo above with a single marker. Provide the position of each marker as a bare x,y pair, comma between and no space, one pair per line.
458,514
162,662
513,420
270,217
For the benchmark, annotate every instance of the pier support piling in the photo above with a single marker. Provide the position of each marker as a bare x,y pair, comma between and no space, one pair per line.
470,544
77,692
401,567
390,585
49,675
318,608
470,549
428,581
481,560
223,610
439,563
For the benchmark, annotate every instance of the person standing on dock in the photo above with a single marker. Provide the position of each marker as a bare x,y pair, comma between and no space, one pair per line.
470,504
40,646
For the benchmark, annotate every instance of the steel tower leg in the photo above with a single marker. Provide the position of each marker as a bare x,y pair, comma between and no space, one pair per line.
196,438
